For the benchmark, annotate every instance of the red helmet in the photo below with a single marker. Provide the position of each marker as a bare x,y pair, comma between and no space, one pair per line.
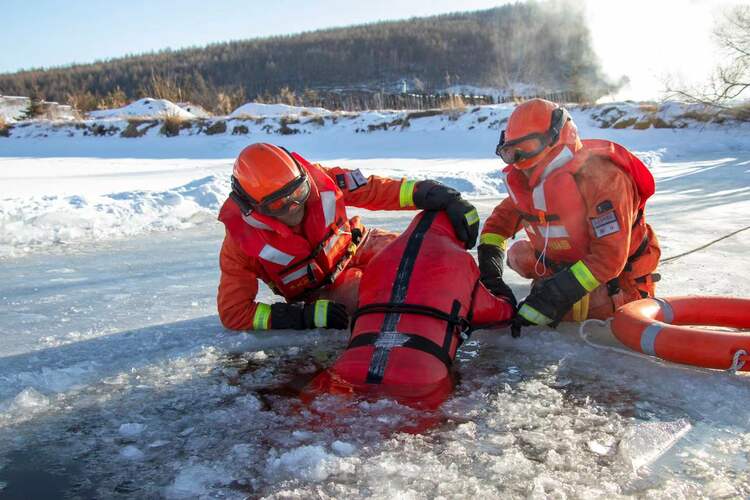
268,179
535,129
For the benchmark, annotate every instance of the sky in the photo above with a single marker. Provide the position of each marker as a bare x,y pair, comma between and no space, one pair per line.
650,41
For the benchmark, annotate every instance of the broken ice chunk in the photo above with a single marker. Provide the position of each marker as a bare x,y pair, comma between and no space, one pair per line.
131,430
130,452
643,443
600,448
342,448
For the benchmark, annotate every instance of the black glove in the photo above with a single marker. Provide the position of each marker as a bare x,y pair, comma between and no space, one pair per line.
300,316
548,301
431,195
491,272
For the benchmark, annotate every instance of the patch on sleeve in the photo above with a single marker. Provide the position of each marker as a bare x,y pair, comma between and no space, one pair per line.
604,206
341,181
605,224
355,180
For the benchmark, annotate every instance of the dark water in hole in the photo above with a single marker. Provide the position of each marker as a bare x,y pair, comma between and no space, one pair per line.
29,475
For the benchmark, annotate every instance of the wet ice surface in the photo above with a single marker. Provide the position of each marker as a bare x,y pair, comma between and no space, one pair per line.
538,417
116,380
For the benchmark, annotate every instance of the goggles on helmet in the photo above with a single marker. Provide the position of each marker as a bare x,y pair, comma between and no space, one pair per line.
278,203
531,145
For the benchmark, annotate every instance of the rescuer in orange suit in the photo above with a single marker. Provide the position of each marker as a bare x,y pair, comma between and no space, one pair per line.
581,203
286,224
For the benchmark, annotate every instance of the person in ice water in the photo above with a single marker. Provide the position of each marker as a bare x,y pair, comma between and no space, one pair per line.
286,224
581,202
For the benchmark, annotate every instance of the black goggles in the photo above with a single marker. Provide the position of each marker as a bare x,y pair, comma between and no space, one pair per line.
531,145
278,203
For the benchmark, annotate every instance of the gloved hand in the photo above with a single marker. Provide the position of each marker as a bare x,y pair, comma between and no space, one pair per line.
300,316
431,195
491,272
548,301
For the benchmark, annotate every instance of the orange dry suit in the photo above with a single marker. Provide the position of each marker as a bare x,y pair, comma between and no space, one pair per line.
320,257
419,298
584,211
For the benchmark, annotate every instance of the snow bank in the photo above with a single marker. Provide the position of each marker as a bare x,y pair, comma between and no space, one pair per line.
275,110
195,109
12,108
281,120
42,221
144,108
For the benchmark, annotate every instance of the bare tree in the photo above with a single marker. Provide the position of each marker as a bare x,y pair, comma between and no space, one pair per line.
732,79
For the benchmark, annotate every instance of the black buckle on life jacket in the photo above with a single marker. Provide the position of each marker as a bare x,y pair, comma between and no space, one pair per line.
655,277
613,286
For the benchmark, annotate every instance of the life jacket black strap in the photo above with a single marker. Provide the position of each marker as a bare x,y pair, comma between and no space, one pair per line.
408,340
638,252
535,219
392,307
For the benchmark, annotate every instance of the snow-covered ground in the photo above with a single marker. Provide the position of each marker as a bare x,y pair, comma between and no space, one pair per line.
145,108
117,380
256,109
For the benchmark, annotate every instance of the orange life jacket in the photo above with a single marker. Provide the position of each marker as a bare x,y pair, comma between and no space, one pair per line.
551,206
298,263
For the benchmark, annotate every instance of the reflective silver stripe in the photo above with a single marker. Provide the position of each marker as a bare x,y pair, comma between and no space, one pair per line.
295,275
389,340
510,191
540,203
328,200
332,241
553,231
272,254
563,157
252,221
666,310
648,338
560,160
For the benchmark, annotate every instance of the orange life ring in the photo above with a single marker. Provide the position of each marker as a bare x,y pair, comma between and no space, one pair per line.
659,327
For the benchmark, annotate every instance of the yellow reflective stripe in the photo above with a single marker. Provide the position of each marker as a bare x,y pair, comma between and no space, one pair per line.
533,315
472,217
321,313
493,239
584,276
581,309
262,316
406,194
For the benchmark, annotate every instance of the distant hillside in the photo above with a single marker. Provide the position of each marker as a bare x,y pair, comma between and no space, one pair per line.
545,45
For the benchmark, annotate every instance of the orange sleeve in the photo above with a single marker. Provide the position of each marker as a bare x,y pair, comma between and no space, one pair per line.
611,204
238,287
502,224
373,192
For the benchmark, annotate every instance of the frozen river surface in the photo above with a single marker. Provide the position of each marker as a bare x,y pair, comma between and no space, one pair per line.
117,380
